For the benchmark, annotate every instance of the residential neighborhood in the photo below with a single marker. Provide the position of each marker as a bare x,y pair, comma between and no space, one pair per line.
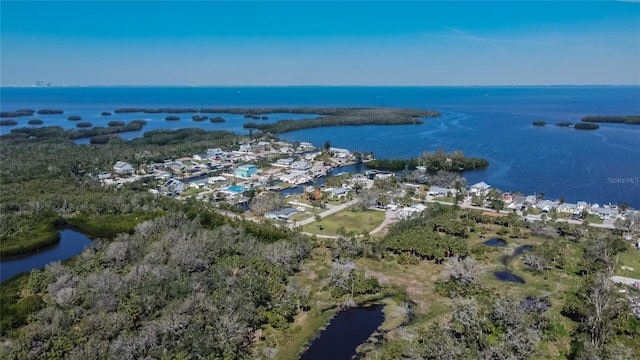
304,177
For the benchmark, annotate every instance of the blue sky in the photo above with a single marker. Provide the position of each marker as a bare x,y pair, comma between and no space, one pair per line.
320,43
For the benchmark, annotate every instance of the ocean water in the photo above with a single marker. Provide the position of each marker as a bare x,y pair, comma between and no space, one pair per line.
601,166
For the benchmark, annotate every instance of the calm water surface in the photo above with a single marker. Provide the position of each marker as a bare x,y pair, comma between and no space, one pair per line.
489,122
71,244
348,329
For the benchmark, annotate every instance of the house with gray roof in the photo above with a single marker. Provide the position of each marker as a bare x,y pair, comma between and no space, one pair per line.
123,168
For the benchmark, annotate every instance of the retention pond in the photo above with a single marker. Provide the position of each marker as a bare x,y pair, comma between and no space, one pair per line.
346,331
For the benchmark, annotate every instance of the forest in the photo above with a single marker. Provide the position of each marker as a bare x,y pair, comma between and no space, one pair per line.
623,119
432,161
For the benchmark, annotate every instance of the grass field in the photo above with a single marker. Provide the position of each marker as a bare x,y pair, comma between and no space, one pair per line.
357,221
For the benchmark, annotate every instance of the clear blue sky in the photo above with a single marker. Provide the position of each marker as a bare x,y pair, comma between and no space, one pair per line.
320,43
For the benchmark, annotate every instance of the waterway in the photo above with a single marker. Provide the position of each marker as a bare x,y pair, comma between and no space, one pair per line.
490,122
71,244
346,331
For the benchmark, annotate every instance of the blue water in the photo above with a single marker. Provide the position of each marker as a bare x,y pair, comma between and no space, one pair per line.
489,122
71,244
346,331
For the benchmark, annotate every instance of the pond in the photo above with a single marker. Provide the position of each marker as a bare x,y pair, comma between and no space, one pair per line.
495,242
71,244
346,331
507,275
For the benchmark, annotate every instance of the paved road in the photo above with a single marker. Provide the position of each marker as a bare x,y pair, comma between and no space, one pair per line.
326,213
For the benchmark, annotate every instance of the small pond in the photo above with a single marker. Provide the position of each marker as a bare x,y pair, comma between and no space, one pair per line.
507,275
346,331
71,244
495,242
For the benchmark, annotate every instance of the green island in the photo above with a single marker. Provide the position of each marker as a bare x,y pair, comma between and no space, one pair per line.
539,123
623,119
586,126
171,277
84,124
8,122
348,117
97,134
50,112
17,113
35,122
433,161
328,116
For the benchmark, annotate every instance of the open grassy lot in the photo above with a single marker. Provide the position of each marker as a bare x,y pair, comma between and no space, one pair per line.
357,221
309,212
630,258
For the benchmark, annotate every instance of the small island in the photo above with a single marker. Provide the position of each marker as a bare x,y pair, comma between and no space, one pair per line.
623,119
116,123
106,113
172,118
84,124
217,119
17,113
74,118
432,161
35,122
199,118
8,122
539,123
586,126
50,112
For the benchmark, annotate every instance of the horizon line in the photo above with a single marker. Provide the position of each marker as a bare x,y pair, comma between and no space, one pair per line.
316,85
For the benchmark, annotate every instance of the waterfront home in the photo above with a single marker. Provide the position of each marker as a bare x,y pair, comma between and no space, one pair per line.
377,174
295,177
245,171
339,192
437,191
568,208
507,198
284,213
339,153
245,148
606,214
582,205
546,205
301,165
479,189
123,168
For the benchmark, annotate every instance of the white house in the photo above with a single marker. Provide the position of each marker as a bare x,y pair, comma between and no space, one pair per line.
245,148
339,192
411,211
479,189
339,153
123,168
437,191
301,165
